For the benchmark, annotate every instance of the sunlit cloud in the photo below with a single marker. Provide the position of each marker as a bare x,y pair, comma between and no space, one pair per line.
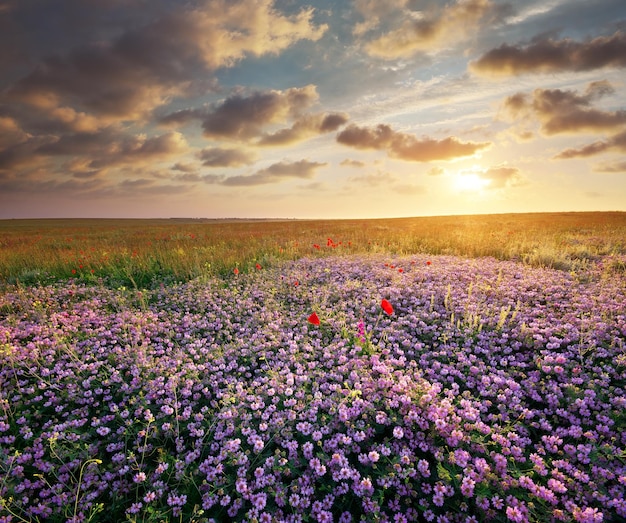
374,179
616,143
479,179
385,181
430,30
546,55
184,167
435,171
613,167
305,127
10,132
303,170
405,146
352,163
502,176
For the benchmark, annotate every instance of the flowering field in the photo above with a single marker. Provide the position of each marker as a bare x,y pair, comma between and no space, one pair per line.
362,388
140,253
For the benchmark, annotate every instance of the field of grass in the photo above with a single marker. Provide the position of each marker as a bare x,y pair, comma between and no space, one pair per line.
452,369
143,253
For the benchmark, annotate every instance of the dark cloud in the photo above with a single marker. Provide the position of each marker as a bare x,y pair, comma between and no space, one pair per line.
243,117
615,143
277,172
144,67
406,146
220,157
105,149
562,111
305,127
179,118
546,55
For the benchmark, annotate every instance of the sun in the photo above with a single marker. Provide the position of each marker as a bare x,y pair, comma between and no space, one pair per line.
470,182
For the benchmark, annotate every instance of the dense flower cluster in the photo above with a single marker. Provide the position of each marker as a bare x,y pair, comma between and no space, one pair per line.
493,392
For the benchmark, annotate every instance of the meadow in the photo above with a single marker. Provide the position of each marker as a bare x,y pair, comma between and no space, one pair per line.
143,253
452,369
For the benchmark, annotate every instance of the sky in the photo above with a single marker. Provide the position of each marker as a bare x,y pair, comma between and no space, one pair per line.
325,109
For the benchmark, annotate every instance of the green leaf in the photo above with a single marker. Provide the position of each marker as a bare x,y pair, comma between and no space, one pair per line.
443,473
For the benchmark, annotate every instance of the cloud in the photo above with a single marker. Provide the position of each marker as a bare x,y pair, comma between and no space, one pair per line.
435,171
305,127
352,163
545,55
406,146
562,111
427,31
502,176
382,180
179,118
374,180
184,167
373,11
615,143
11,133
615,167
143,68
277,172
220,157
108,149
243,117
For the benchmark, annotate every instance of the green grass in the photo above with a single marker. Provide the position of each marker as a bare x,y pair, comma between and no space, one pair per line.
143,253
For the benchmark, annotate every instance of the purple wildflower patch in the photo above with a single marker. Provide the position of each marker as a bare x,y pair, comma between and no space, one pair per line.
493,391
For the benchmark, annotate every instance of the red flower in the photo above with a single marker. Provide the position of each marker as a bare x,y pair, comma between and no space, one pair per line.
386,306
235,271
314,319
400,269
258,266
428,262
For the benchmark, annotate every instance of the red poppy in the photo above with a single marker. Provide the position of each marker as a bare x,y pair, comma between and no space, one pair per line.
428,262
258,266
386,306
400,269
236,271
314,319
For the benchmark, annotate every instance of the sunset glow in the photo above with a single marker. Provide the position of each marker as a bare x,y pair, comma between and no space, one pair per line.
276,108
